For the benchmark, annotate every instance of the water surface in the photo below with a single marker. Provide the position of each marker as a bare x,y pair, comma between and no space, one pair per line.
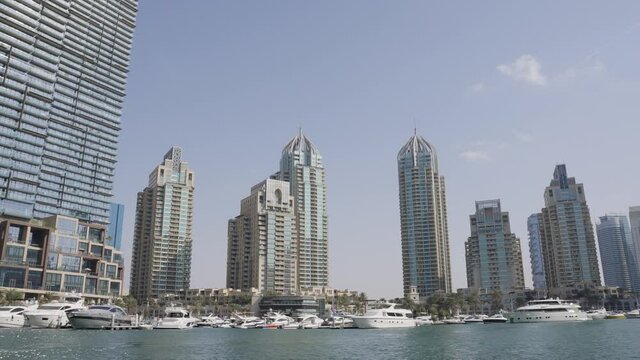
606,339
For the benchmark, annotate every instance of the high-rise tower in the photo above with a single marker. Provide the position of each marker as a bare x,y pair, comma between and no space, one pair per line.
634,221
423,220
568,242
617,252
535,252
493,254
161,259
261,251
63,70
301,165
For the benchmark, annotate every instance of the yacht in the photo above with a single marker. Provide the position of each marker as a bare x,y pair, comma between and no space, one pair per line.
424,320
309,322
548,310
276,321
633,314
597,314
339,322
176,318
12,316
495,319
615,316
54,314
389,317
475,319
251,322
456,320
210,321
99,317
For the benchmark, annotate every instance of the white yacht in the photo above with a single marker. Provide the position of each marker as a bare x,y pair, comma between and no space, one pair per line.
339,322
424,320
309,322
99,317
54,314
389,317
176,318
633,314
547,311
597,314
495,319
12,316
276,321
251,322
475,319
210,321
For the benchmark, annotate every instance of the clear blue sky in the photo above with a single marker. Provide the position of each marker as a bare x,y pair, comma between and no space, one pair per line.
504,90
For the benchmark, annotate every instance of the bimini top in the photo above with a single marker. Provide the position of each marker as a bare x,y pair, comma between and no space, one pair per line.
300,143
418,145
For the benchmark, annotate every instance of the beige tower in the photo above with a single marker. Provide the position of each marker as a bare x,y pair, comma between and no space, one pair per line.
161,259
261,251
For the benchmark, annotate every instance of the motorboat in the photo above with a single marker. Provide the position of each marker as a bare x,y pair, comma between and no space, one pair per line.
13,316
475,319
495,319
386,317
210,321
309,322
99,317
548,310
338,322
251,322
54,314
615,315
597,314
424,320
276,321
633,314
456,320
176,317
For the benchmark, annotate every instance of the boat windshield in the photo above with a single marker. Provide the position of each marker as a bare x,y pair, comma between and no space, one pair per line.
6,308
99,307
176,315
50,307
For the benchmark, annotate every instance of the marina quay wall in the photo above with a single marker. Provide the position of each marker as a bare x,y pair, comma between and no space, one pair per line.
57,255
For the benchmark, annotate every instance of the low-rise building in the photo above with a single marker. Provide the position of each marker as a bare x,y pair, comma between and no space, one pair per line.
57,255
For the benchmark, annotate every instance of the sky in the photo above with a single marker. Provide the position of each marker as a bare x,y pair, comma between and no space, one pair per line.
504,91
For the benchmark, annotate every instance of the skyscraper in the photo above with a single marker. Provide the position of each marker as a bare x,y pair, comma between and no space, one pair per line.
63,70
493,254
423,220
568,242
634,220
617,252
116,223
301,165
161,259
261,251
535,252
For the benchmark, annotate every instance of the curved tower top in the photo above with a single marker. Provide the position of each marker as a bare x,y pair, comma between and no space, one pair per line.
418,145
307,153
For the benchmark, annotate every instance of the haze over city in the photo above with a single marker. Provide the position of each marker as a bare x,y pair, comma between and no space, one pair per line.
503,98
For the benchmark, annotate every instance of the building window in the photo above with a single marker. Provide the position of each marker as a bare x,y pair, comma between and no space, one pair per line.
52,282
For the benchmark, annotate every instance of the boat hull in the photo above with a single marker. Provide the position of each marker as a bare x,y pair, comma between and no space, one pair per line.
176,324
95,322
538,316
47,320
383,322
13,321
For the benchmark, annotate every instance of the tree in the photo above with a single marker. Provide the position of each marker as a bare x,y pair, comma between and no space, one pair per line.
496,300
11,296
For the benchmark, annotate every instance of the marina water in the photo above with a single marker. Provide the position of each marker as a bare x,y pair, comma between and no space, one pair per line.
608,339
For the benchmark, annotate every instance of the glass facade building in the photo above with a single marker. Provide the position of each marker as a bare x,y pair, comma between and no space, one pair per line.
301,166
116,222
423,220
59,254
617,252
535,252
493,254
568,242
63,70
161,259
